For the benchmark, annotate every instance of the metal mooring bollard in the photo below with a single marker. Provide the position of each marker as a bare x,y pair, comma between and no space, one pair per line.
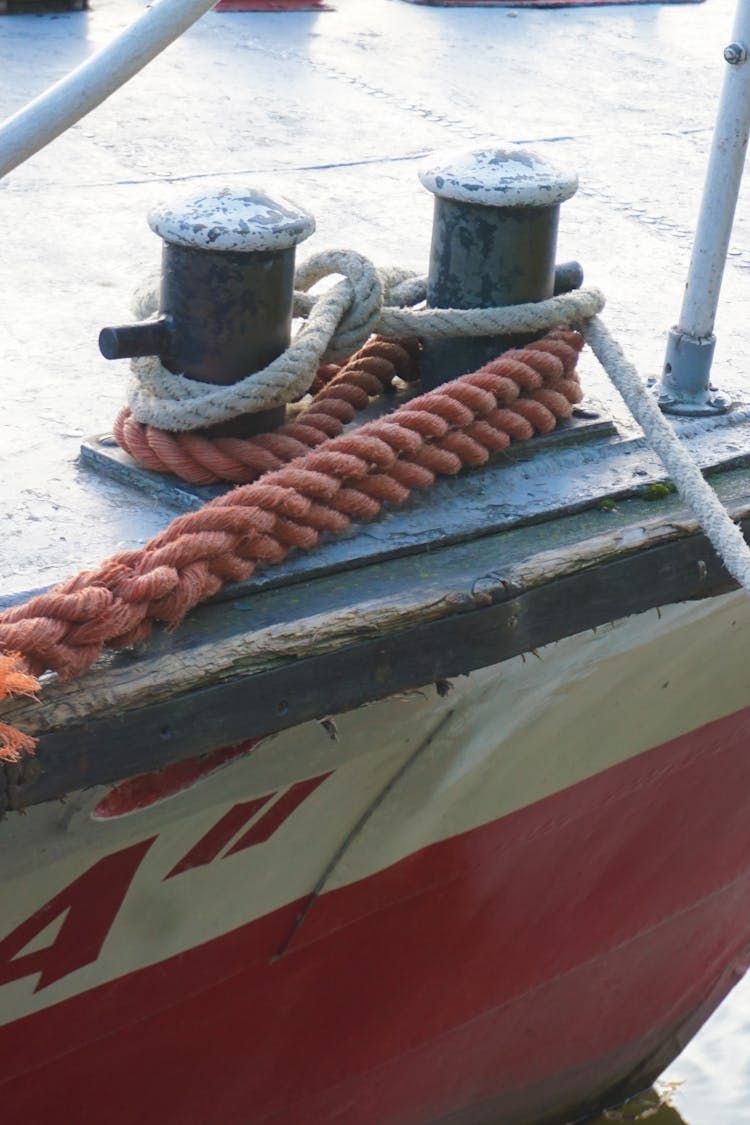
494,239
227,288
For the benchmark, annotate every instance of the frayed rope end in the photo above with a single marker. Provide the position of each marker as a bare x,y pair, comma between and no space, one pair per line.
14,744
15,679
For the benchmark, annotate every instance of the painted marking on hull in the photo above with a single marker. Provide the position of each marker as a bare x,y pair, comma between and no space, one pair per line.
512,737
517,965
264,828
89,906
149,789
216,840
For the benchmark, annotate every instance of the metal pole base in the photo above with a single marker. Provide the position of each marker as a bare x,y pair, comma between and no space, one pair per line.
692,394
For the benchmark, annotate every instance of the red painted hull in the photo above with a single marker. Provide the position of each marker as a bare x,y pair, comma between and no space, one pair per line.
521,969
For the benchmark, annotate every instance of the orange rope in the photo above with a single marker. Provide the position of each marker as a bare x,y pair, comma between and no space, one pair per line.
347,477
339,393
15,680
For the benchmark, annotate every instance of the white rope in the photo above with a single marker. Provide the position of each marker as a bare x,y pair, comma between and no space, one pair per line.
160,398
341,319
338,322
534,316
683,470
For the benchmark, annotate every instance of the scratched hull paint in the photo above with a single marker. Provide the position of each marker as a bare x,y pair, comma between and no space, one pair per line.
498,904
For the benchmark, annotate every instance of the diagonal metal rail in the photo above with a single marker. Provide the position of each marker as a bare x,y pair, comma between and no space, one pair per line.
685,386
70,99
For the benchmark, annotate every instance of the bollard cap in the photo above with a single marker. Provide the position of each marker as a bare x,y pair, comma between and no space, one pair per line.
243,218
505,176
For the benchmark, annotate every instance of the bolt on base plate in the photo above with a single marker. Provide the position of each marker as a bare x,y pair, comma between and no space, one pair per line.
714,402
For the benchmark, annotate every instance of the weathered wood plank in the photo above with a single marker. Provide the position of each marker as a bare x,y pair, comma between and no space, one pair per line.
252,635
475,633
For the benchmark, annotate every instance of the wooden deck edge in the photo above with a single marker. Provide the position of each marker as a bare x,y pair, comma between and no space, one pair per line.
288,674
119,686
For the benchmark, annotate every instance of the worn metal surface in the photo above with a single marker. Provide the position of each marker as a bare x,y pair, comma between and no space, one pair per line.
503,495
227,288
494,239
232,311
336,109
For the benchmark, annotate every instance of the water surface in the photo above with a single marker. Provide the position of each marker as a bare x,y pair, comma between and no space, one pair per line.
709,1084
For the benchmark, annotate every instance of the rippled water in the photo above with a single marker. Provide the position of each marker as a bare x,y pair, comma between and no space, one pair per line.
710,1083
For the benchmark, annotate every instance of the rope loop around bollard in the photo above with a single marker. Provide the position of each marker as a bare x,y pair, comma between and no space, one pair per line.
336,322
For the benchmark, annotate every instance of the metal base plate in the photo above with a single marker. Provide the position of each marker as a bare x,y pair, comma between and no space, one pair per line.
102,454
526,484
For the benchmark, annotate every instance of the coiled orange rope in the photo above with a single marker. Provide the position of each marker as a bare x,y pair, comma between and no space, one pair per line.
339,393
344,478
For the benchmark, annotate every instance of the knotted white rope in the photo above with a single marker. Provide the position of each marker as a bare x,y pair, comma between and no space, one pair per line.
710,513
337,323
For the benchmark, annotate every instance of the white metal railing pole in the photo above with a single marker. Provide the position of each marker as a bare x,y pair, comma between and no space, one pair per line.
685,385
83,89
